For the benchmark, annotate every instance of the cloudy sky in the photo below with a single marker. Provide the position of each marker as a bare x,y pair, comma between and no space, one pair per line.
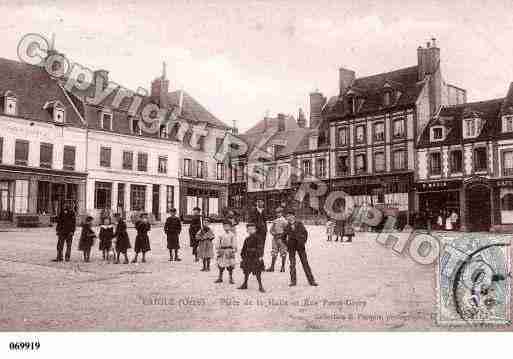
242,58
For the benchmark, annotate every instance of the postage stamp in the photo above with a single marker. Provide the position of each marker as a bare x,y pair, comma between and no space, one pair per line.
473,275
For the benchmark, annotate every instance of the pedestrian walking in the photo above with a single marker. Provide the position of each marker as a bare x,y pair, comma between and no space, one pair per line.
122,239
142,240
252,255
226,248
87,238
106,235
278,245
297,236
172,228
194,228
330,229
205,237
65,229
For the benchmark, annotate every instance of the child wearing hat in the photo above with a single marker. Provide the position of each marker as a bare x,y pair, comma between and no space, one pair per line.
87,238
142,240
205,236
252,255
226,248
172,228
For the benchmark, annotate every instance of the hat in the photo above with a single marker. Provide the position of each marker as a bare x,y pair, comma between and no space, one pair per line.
196,209
290,211
226,221
172,210
251,224
279,210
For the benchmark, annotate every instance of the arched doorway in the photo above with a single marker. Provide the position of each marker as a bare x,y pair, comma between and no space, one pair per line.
478,208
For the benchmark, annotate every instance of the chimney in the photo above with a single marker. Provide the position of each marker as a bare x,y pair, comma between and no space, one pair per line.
301,119
101,76
317,101
429,65
345,79
235,130
281,122
266,120
160,88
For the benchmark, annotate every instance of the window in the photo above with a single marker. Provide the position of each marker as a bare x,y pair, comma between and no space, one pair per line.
170,198
102,195
200,169
134,126
59,114
361,163
399,160
45,155
105,155
470,128
320,171
270,178
21,152
162,164
386,98
10,103
398,128
187,167
220,171
507,124
379,162
437,133
163,133
106,121
435,163
343,165
1,148
142,162
69,158
360,134
456,161
137,197
121,197
283,175
128,160
379,131
342,136
507,163
307,167
21,196
480,159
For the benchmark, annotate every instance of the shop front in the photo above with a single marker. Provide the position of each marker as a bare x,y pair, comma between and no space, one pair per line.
439,199
211,197
502,202
39,193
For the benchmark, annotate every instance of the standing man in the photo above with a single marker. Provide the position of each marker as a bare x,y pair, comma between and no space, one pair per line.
297,236
66,225
194,228
258,216
172,228
278,232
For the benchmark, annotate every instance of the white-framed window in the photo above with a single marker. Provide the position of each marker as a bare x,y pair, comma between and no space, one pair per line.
360,134
187,167
106,120
437,133
162,165
507,123
360,163
307,167
379,131
220,171
480,159
470,128
399,159
435,163
379,162
200,169
398,128
342,136
10,103
59,114
507,163
321,168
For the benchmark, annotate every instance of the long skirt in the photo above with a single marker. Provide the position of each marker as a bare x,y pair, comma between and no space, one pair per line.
205,249
142,243
122,243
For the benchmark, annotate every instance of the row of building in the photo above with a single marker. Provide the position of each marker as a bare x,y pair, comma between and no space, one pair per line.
404,141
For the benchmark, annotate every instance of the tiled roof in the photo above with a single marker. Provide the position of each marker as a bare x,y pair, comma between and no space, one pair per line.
370,88
192,110
261,126
33,88
452,118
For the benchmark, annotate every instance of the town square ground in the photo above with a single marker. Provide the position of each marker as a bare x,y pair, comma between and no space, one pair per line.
362,286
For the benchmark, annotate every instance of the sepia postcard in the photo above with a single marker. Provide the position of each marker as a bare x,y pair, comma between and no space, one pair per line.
270,166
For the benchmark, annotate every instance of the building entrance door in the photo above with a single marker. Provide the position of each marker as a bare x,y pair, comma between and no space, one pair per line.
156,202
5,202
479,208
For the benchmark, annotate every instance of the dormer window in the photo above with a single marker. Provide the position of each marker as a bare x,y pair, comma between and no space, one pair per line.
10,102
57,111
387,98
106,120
437,133
470,128
507,123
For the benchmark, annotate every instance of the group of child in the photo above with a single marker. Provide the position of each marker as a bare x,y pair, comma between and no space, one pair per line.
339,229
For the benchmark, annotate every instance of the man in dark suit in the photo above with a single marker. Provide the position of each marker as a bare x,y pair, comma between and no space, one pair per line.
259,217
296,237
66,225
194,228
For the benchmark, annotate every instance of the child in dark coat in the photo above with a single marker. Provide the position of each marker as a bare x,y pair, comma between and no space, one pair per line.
87,238
252,255
142,241
122,239
106,235
172,228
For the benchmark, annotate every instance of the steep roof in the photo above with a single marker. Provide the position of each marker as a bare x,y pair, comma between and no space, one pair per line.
33,88
451,117
268,122
370,89
192,110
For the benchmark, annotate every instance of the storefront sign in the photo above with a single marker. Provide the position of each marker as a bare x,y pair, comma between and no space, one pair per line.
438,186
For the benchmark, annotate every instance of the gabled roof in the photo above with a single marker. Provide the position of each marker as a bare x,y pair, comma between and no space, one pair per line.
33,88
269,122
193,111
452,118
371,88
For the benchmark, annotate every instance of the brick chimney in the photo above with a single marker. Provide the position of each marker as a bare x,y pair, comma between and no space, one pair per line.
160,89
317,101
429,66
345,79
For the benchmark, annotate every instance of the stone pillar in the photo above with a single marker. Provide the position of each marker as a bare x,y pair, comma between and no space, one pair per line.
32,195
81,197
127,197
463,211
114,198
149,198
